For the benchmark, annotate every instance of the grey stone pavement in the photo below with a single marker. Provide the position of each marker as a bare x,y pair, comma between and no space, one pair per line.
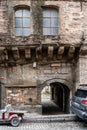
34,121
48,126
52,122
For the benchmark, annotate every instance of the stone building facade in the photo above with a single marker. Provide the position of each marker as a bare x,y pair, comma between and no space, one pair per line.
42,43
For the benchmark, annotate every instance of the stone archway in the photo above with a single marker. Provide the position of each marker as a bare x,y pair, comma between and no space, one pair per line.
60,98
67,82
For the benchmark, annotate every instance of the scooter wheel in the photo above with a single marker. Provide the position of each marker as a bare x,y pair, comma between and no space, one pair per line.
15,122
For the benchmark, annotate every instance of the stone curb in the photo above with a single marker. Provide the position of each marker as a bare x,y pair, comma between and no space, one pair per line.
55,118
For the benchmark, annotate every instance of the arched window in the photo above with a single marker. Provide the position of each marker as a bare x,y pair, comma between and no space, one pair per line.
50,21
22,22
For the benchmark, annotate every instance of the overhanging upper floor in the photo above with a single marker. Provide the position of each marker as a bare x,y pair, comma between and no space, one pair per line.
12,55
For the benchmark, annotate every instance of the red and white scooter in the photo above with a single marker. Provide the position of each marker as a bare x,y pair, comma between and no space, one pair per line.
11,117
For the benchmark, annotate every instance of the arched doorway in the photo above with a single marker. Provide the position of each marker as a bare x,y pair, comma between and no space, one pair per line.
55,100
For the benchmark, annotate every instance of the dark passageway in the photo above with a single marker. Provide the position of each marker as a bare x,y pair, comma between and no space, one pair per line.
50,108
55,100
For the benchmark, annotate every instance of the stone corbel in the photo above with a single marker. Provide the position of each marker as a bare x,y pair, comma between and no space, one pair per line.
71,51
15,53
5,54
83,50
1,53
50,51
60,51
38,52
27,53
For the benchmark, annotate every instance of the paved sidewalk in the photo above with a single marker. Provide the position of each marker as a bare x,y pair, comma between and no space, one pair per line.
52,122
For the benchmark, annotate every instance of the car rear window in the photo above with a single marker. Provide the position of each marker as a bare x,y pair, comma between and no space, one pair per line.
81,93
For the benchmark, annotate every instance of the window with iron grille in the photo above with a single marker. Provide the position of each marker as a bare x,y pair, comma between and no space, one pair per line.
22,22
50,21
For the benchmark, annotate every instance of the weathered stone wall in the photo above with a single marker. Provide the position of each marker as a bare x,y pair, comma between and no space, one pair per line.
21,75
25,83
3,17
27,75
83,70
72,28
21,95
84,9
82,62
63,72
71,19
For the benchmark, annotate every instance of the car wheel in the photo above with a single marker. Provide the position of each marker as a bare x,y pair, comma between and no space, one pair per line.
15,122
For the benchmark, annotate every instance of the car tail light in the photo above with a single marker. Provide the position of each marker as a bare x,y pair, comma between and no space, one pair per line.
84,102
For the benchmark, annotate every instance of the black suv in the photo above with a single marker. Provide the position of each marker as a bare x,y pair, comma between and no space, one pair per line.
79,103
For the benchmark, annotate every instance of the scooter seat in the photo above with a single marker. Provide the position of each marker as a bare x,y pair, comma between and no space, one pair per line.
2,111
7,108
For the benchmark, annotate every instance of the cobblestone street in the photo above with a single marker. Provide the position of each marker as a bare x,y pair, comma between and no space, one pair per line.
48,126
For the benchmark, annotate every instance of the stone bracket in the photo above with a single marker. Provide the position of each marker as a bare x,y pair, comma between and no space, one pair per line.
6,55
50,51
60,52
83,50
15,53
27,53
71,51
38,52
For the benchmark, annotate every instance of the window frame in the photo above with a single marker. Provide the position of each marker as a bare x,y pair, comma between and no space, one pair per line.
50,19
22,17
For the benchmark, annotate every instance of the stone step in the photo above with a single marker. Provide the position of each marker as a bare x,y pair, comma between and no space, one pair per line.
50,118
